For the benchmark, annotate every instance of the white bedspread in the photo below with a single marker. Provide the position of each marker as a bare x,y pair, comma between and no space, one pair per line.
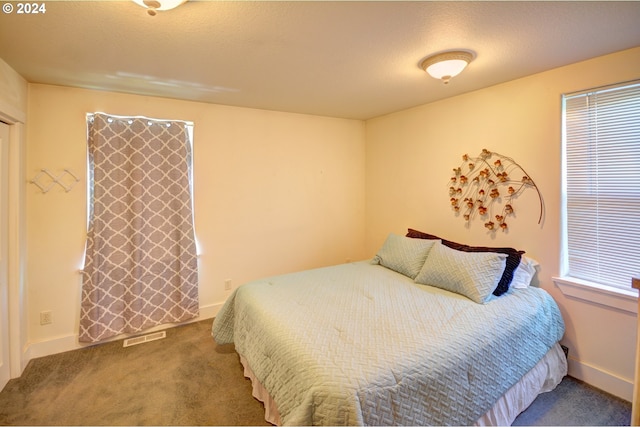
360,344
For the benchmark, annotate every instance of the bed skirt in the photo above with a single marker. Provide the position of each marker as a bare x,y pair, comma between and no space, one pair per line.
543,377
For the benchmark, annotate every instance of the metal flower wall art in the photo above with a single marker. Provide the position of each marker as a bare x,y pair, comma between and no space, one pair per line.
490,183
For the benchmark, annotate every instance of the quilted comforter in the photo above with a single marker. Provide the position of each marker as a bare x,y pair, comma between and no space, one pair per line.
358,344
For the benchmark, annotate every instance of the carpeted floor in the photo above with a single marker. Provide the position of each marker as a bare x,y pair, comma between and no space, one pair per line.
574,403
186,379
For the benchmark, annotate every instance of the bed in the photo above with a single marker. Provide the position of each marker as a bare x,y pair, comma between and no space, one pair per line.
379,342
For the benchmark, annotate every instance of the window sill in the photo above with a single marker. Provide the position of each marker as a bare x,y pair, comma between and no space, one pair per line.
621,299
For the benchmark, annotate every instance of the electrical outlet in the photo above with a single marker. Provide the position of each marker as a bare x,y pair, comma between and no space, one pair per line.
45,318
227,285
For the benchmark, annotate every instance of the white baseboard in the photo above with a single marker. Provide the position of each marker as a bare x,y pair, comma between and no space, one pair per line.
69,342
606,381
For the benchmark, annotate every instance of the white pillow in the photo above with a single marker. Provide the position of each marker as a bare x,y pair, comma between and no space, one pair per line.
472,274
403,254
523,275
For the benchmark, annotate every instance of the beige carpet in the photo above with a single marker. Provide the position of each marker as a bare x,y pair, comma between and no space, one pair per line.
184,379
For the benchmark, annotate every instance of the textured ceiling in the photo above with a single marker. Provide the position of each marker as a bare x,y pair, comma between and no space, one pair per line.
342,59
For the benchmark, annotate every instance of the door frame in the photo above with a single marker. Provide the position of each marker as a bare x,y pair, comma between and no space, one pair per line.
16,239
5,340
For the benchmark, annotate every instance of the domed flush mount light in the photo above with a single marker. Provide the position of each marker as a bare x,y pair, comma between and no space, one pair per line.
154,5
445,65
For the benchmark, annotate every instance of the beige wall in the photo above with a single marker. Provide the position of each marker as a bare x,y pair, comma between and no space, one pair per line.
273,193
13,95
410,157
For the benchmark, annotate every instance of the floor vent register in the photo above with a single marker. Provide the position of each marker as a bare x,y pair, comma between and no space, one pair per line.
144,339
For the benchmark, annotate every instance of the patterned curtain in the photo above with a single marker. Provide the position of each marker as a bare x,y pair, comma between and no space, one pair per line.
140,263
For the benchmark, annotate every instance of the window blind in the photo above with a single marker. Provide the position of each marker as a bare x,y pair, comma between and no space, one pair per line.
602,184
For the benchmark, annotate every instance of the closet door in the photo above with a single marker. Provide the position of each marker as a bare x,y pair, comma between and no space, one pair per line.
5,371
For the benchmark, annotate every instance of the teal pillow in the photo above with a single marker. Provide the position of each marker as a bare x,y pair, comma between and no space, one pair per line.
404,254
472,274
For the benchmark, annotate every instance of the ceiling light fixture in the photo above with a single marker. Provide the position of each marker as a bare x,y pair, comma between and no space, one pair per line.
445,65
154,5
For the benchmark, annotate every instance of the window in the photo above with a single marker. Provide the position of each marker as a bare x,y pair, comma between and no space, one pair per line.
601,186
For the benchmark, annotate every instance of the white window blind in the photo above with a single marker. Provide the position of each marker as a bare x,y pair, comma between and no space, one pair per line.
601,136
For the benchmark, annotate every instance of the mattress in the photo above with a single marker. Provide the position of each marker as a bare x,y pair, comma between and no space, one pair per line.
359,344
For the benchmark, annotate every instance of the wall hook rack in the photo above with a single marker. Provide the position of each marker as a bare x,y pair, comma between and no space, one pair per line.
45,180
